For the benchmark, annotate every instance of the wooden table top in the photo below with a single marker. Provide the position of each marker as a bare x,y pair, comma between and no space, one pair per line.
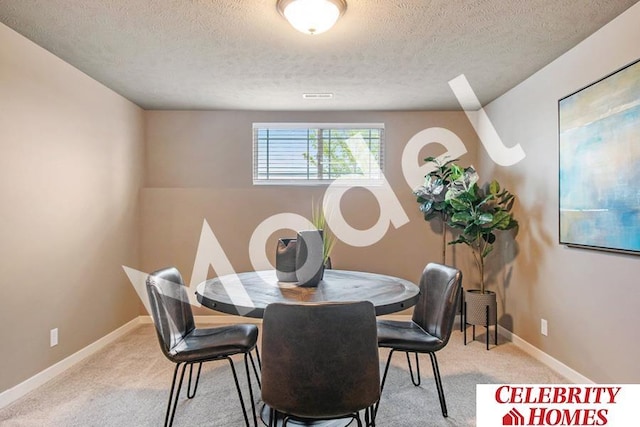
248,294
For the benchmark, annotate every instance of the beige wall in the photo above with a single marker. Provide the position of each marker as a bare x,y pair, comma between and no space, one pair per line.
72,158
72,163
199,167
589,298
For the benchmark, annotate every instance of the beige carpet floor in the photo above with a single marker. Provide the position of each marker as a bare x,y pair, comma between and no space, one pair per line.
127,384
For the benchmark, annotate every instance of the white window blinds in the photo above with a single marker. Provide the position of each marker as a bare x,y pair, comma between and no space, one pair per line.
316,153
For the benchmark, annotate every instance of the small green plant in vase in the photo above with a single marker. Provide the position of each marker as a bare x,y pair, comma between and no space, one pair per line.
319,221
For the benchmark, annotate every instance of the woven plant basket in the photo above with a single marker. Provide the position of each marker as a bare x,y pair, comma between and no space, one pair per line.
477,307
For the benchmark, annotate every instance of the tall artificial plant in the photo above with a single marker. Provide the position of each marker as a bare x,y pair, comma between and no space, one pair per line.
432,194
479,212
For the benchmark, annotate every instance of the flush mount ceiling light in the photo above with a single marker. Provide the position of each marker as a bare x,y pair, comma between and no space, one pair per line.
311,16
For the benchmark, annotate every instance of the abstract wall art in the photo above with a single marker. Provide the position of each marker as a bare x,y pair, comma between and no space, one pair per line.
599,138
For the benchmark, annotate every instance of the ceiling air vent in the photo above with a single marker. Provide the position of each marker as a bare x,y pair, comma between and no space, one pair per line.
317,95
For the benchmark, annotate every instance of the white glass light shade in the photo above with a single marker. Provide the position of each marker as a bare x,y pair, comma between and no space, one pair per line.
311,16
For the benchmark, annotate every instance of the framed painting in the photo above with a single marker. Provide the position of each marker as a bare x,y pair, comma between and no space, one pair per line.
599,138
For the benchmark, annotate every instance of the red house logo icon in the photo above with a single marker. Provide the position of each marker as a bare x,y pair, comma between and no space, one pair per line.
513,418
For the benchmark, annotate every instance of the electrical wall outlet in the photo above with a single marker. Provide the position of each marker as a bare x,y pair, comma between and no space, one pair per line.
53,337
544,327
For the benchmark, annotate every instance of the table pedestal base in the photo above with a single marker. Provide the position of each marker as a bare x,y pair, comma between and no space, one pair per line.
264,416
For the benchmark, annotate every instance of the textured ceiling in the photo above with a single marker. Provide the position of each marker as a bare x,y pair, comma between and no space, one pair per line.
241,54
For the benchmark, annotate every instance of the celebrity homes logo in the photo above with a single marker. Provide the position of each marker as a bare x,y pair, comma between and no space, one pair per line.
513,418
557,405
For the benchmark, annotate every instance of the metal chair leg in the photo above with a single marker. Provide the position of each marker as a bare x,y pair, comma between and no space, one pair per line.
369,418
173,401
436,374
464,320
192,393
235,379
384,378
173,397
258,357
255,371
272,418
386,370
487,323
415,383
253,403
461,308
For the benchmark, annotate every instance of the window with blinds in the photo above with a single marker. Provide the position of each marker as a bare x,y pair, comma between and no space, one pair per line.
318,153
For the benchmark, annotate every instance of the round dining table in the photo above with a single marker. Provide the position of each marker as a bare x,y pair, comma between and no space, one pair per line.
248,294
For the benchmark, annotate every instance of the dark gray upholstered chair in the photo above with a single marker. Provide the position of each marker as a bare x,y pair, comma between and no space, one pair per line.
430,326
184,344
320,361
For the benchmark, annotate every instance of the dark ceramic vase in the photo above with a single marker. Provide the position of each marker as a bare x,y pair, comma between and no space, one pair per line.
309,258
286,260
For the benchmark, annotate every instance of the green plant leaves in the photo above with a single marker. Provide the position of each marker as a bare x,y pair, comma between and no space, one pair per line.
461,217
484,218
319,221
456,172
494,187
451,193
460,204
501,220
431,196
426,206
459,240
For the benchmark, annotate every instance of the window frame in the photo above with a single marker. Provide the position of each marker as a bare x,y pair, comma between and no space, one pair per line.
310,181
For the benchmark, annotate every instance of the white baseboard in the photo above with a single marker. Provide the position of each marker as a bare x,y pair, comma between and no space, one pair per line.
14,393
554,364
9,396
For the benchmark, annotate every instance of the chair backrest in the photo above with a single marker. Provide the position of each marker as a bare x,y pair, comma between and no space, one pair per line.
320,360
170,308
440,288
